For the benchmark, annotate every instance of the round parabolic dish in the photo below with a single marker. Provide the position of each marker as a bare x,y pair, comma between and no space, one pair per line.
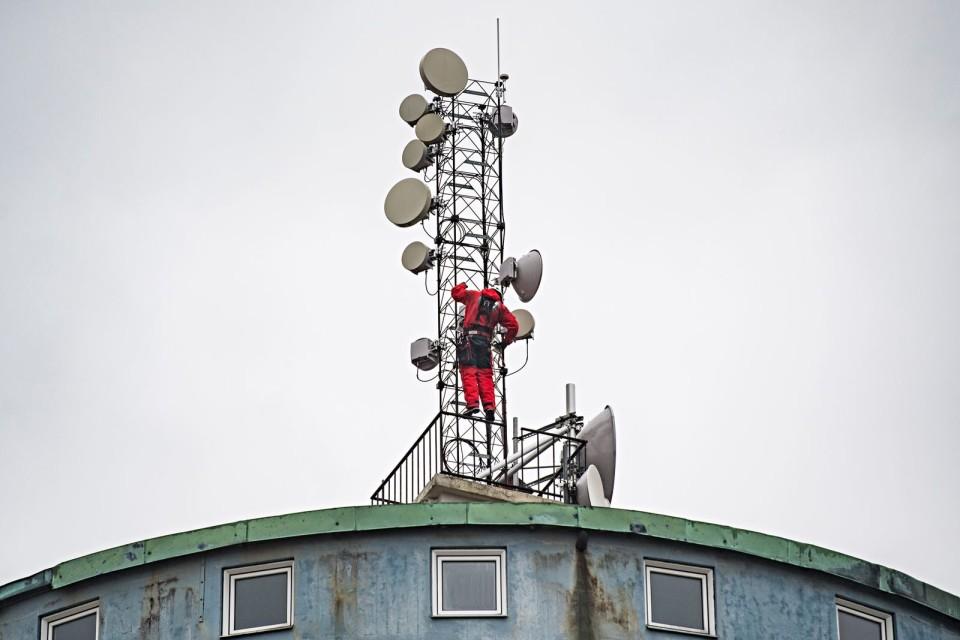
415,257
408,202
529,274
430,128
412,108
526,322
601,450
443,72
415,156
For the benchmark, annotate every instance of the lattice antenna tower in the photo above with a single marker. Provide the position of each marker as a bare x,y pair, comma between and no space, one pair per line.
457,200
458,150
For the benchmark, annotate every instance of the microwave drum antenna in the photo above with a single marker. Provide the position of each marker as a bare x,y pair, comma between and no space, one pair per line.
526,322
413,107
502,121
416,156
523,274
601,448
443,72
408,202
417,257
590,489
430,129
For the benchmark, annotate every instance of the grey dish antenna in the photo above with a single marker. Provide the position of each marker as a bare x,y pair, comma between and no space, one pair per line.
443,72
430,129
413,108
417,257
502,121
590,491
417,156
526,322
408,202
601,449
523,274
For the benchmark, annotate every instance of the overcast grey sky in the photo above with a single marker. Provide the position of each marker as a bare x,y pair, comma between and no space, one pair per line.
749,214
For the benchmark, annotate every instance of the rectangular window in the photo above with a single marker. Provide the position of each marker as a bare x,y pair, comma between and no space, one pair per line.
857,622
77,623
258,598
469,582
679,597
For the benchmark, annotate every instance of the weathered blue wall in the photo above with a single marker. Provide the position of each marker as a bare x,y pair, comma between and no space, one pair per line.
377,585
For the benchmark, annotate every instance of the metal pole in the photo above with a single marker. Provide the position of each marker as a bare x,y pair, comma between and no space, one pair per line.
571,398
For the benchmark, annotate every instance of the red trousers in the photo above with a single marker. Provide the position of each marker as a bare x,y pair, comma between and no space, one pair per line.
476,382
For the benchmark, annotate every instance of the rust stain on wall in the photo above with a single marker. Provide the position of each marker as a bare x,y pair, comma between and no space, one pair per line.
344,588
158,597
591,608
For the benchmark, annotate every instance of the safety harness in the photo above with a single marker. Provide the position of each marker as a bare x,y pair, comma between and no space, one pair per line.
474,350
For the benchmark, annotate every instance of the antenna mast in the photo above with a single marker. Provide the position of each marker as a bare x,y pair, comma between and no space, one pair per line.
458,153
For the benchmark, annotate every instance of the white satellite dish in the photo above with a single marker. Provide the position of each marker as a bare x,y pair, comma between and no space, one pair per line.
502,121
523,274
413,107
417,257
443,72
526,322
417,156
408,202
601,448
590,489
430,129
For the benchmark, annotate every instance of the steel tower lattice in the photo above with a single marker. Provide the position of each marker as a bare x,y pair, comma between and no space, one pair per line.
470,232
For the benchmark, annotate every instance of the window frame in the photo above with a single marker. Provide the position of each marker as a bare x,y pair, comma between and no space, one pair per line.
704,574
884,619
50,621
228,606
439,556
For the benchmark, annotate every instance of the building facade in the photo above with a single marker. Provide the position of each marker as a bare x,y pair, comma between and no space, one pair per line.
453,570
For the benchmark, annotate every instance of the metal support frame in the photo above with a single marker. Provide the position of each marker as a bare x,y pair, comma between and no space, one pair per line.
469,239
468,233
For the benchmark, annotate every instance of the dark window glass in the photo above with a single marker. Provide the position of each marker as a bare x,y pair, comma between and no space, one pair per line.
469,585
260,601
856,628
84,628
676,600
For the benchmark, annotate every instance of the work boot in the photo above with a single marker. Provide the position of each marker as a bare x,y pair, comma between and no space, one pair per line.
491,415
469,412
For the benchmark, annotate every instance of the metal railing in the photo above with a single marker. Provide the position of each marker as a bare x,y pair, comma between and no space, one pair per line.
464,447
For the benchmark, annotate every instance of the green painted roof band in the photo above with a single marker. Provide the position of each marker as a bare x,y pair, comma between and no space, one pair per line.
380,518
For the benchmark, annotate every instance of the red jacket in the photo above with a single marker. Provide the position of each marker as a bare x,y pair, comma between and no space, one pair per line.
499,315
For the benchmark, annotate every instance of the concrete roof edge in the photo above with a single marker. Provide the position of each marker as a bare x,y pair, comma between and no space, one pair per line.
375,518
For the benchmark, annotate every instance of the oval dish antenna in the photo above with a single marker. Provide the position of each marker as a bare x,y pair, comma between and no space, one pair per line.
443,72
430,129
417,257
408,202
413,108
590,489
416,156
526,322
601,449
523,274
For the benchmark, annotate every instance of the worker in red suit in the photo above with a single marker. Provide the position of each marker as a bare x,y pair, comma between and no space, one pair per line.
484,311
